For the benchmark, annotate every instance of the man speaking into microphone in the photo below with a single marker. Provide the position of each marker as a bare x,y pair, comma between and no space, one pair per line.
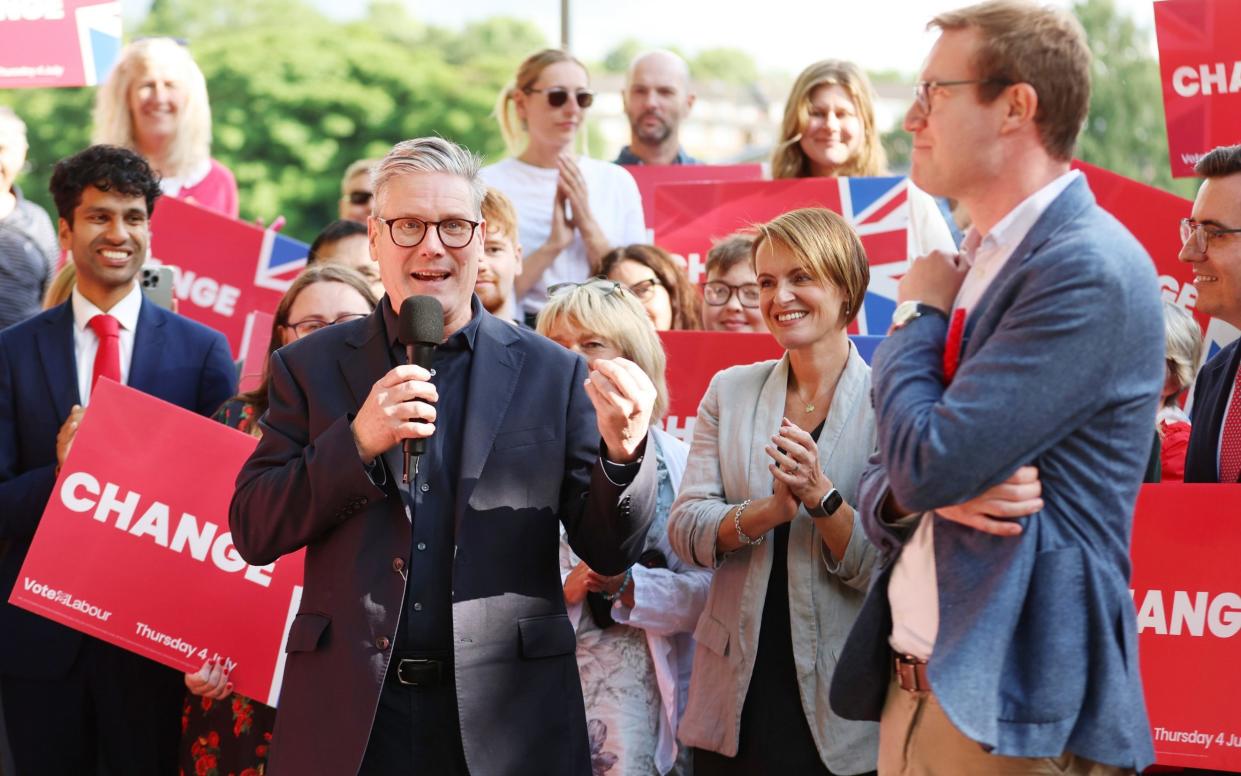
432,635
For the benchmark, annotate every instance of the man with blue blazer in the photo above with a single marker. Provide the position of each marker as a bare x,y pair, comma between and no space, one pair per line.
1212,238
1019,384
72,702
432,635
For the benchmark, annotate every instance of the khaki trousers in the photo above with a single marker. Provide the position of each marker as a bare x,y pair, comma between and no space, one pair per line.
917,739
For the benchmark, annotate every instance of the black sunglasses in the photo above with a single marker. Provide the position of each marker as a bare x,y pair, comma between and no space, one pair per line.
558,96
360,197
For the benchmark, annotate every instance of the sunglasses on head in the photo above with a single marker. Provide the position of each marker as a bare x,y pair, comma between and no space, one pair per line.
360,197
558,96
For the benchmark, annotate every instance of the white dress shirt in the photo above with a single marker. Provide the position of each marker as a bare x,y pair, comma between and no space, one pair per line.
913,594
86,342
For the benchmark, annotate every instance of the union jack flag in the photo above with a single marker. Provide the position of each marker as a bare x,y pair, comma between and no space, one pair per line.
280,260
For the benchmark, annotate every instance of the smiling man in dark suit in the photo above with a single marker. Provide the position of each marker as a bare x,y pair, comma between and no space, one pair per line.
432,635
73,702
1212,238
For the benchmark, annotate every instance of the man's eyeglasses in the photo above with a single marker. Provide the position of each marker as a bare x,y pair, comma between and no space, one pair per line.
1201,234
360,197
558,96
311,325
600,284
409,232
717,293
922,90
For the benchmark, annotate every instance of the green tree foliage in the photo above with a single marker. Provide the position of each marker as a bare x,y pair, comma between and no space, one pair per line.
724,64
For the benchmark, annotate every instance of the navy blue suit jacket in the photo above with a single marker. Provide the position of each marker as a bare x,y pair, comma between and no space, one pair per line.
174,359
1061,367
1212,391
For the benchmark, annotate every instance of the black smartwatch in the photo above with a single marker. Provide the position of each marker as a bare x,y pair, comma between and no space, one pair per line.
828,506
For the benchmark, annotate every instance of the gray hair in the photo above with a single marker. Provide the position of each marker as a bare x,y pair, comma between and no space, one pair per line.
7,114
1183,338
429,154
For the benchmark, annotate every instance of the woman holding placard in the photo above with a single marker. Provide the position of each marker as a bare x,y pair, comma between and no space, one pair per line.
829,130
778,450
155,102
232,734
571,210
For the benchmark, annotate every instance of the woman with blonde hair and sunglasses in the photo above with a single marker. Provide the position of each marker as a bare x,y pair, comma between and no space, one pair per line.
829,130
571,210
155,102
634,647
779,447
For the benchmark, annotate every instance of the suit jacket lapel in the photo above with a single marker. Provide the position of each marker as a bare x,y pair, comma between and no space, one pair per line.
494,370
1212,419
767,417
148,344
58,357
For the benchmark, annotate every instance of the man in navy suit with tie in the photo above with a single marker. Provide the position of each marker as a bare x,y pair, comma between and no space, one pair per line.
999,636
72,702
1212,238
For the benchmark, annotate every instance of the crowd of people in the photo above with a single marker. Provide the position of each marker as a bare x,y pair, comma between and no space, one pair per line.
852,568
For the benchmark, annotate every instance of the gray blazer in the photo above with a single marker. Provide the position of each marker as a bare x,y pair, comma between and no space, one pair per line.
726,466
1061,368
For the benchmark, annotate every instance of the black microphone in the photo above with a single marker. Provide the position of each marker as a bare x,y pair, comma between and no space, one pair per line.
420,329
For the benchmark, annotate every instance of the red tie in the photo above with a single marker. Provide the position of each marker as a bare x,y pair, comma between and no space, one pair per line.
1230,444
108,357
952,344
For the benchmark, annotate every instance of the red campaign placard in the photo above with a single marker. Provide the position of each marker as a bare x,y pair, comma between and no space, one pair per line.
254,344
224,269
689,217
58,42
1200,66
1185,588
135,549
649,176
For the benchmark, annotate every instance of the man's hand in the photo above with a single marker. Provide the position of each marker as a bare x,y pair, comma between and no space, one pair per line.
581,580
211,681
933,279
68,430
400,406
623,397
994,510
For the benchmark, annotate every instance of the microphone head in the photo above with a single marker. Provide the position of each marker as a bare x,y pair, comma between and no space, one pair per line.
421,321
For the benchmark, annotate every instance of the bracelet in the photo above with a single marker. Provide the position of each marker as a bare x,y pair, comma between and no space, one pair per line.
623,586
737,524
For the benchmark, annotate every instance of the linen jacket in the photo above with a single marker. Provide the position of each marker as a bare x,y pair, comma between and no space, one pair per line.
742,408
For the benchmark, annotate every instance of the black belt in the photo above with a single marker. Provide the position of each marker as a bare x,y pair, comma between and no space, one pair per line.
420,672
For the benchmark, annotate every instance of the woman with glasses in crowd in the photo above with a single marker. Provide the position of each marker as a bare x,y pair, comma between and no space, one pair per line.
779,447
731,294
155,102
634,647
659,283
829,130
232,735
571,210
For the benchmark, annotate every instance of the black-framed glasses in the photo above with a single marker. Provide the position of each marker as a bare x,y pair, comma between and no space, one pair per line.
360,197
922,90
1202,234
599,284
311,325
409,232
717,293
558,96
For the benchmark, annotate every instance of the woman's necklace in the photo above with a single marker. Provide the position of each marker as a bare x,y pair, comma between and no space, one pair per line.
809,403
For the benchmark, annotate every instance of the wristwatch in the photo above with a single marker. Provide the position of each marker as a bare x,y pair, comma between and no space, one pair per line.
828,506
906,312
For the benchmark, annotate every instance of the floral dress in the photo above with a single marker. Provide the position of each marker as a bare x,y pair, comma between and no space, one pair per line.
228,737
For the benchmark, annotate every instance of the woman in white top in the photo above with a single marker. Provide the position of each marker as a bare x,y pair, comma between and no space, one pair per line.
829,130
571,210
634,648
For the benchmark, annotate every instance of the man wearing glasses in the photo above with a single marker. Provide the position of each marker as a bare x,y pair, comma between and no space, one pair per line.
1213,247
1014,396
731,293
432,636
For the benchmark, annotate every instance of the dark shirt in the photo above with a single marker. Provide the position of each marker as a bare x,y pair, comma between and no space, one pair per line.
430,497
628,157
28,252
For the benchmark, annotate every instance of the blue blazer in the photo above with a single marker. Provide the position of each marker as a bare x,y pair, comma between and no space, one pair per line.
1061,368
529,463
1212,391
174,359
